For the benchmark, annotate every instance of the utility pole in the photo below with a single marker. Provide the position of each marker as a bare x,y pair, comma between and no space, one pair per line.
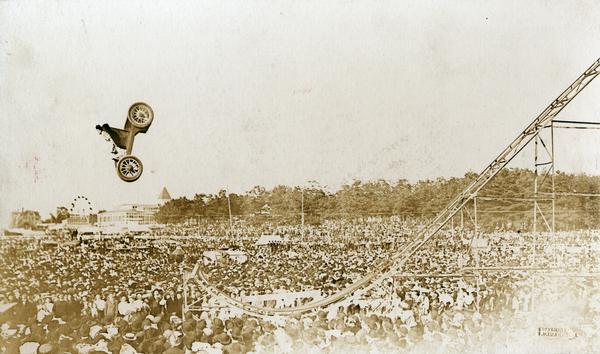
229,207
475,212
302,206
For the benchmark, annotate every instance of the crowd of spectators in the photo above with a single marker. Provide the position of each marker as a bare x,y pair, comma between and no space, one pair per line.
125,294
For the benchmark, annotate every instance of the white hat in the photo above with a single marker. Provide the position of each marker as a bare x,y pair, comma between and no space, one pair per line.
94,331
127,349
29,348
167,333
198,346
129,336
111,331
153,319
174,339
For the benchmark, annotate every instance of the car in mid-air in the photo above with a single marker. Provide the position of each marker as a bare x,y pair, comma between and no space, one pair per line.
139,118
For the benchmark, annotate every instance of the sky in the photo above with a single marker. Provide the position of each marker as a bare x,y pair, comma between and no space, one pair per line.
252,93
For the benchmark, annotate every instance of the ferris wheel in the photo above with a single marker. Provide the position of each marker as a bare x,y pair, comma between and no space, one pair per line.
81,206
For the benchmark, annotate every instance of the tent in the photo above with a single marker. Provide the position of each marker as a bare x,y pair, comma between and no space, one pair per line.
178,254
269,240
237,256
211,256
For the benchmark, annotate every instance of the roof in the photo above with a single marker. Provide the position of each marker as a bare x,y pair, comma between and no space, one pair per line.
164,194
140,208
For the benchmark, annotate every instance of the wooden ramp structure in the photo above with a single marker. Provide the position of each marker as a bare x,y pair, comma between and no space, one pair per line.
392,266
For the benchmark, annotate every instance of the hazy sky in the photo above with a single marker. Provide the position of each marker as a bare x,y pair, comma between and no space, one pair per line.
281,92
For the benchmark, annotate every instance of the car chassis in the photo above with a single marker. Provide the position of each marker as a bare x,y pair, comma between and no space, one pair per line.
139,118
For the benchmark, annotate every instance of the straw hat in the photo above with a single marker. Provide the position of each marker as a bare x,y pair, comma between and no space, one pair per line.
46,349
129,337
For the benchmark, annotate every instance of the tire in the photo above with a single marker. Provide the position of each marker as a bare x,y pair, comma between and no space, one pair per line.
129,168
140,115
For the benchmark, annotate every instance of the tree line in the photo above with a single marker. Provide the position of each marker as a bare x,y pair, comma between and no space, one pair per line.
422,199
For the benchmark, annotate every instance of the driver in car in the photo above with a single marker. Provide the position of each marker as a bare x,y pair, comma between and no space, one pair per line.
114,151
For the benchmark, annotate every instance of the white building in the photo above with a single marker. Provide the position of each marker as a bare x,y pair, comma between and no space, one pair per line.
132,215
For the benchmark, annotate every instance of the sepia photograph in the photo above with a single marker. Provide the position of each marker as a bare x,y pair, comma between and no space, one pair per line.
345,176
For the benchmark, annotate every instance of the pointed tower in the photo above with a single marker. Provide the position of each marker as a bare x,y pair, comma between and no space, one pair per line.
164,196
